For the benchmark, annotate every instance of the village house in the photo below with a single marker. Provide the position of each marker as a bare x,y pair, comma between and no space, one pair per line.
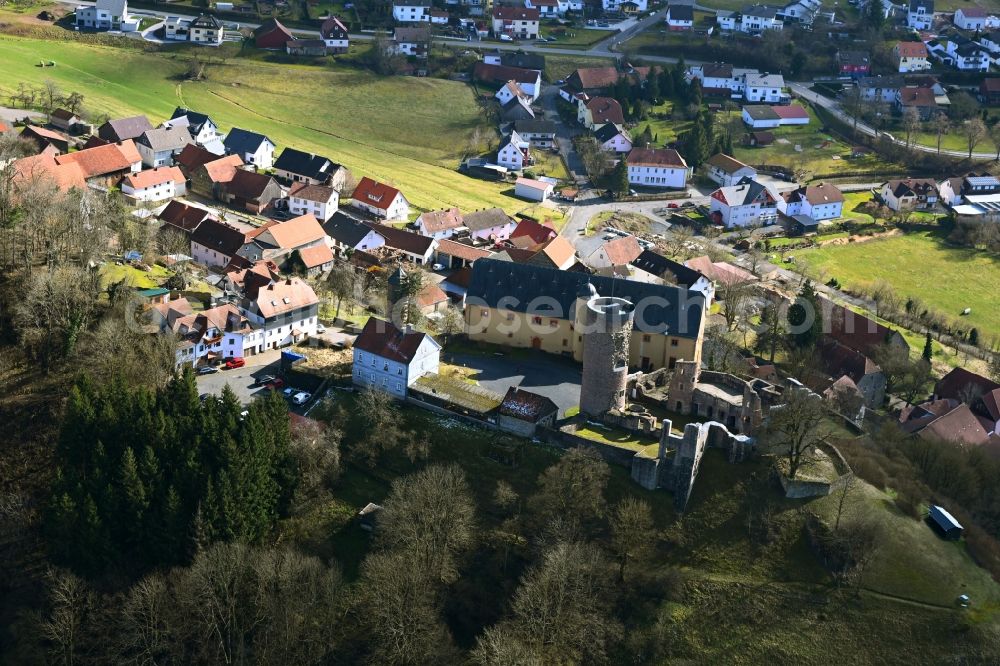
720,272
64,120
334,34
46,140
154,184
669,271
413,41
221,332
529,80
411,11
309,48
518,108
44,168
104,15
749,203
440,224
297,166
160,145
627,7
183,218
380,200
764,88
823,201
530,306
726,170
920,15
971,18
206,29
414,247
546,8
909,193
516,22
968,56
989,91
207,178
249,191
515,59
105,164
539,133
346,234
458,254
760,117
490,224
285,310
176,28
910,57
123,129
509,91
523,412
616,252
596,112
254,149
919,98
837,361
858,332
880,88
657,167
854,64
755,19
613,139
215,243
529,233
302,236
679,17
200,127
953,190
319,200
390,359
514,152
272,35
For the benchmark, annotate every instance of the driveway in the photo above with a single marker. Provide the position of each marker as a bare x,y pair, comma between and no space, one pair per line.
241,380
564,135
556,378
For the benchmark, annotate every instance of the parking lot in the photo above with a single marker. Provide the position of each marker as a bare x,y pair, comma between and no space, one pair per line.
243,380
556,378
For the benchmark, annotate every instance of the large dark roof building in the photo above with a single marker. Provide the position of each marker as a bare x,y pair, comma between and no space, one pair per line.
547,292
306,165
123,129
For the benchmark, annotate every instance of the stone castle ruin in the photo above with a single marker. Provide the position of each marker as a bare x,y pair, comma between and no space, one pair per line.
606,325
675,466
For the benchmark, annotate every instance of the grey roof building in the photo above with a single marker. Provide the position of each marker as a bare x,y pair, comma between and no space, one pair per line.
122,129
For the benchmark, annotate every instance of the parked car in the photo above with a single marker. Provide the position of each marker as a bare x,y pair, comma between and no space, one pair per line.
437,267
289,392
235,362
276,383
506,38
673,205
321,329
301,398
207,370
263,380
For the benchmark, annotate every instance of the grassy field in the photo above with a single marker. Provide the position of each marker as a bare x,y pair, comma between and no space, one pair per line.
948,279
570,37
411,132
559,67
111,273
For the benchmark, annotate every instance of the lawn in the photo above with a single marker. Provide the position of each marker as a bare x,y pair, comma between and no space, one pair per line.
560,67
919,265
111,273
395,129
572,37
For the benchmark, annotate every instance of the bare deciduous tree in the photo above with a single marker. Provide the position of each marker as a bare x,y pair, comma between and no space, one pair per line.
632,532
571,492
973,130
796,427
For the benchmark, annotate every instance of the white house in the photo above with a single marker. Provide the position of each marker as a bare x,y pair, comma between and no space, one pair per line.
616,5
680,17
411,11
511,90
253,148
154,184
613,138
880,88
334,34
968,56
920,15
909,193
286,310
176,28
758,18
539,133
728,21
491,224
390,359
516,22
820,202
514,152
764,88
721,76
760,117
214,243
547,8
320,200
619,251
971,18
656,167
223,331
748,203
440,224
910,57
532,190
104,15
345,234
159,146
206,29
412,41
726,170
202,129
380,200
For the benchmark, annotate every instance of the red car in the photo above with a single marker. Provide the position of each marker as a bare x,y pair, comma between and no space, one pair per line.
276,384
236,362
672,205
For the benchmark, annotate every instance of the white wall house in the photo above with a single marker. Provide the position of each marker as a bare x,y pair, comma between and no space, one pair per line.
513,152
206,29
764,88
971,18
820,202
616,5
154,184
391,360
105,15
516,22
344,234
656,167
320,200
286,310
748,203
726,170
920,15
253,148
411,11
613,139
222,331
380,200
758,18
511,90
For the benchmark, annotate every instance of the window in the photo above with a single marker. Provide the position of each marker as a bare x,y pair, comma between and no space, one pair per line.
565,342
536,320
399,386
673,342
671,363
646,338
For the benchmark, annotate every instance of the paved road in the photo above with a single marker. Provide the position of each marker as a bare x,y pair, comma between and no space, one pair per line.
564,135
555,378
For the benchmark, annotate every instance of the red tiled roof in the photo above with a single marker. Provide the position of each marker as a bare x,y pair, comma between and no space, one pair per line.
223,169
461,250
316,256
622,251
153,177
660,157
916,97
911,50
431,295
958,383
790,112
65,176
375,194
854,330
103,160
193,156
515,13
284,296
441,220
296,232
537,232
605,110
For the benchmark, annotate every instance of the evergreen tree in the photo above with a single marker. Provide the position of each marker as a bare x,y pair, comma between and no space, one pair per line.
653,88
928,352
805,318
132,501
620,176
665,82
974,337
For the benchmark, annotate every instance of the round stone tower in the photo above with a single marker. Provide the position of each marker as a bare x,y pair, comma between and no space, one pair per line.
606,331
